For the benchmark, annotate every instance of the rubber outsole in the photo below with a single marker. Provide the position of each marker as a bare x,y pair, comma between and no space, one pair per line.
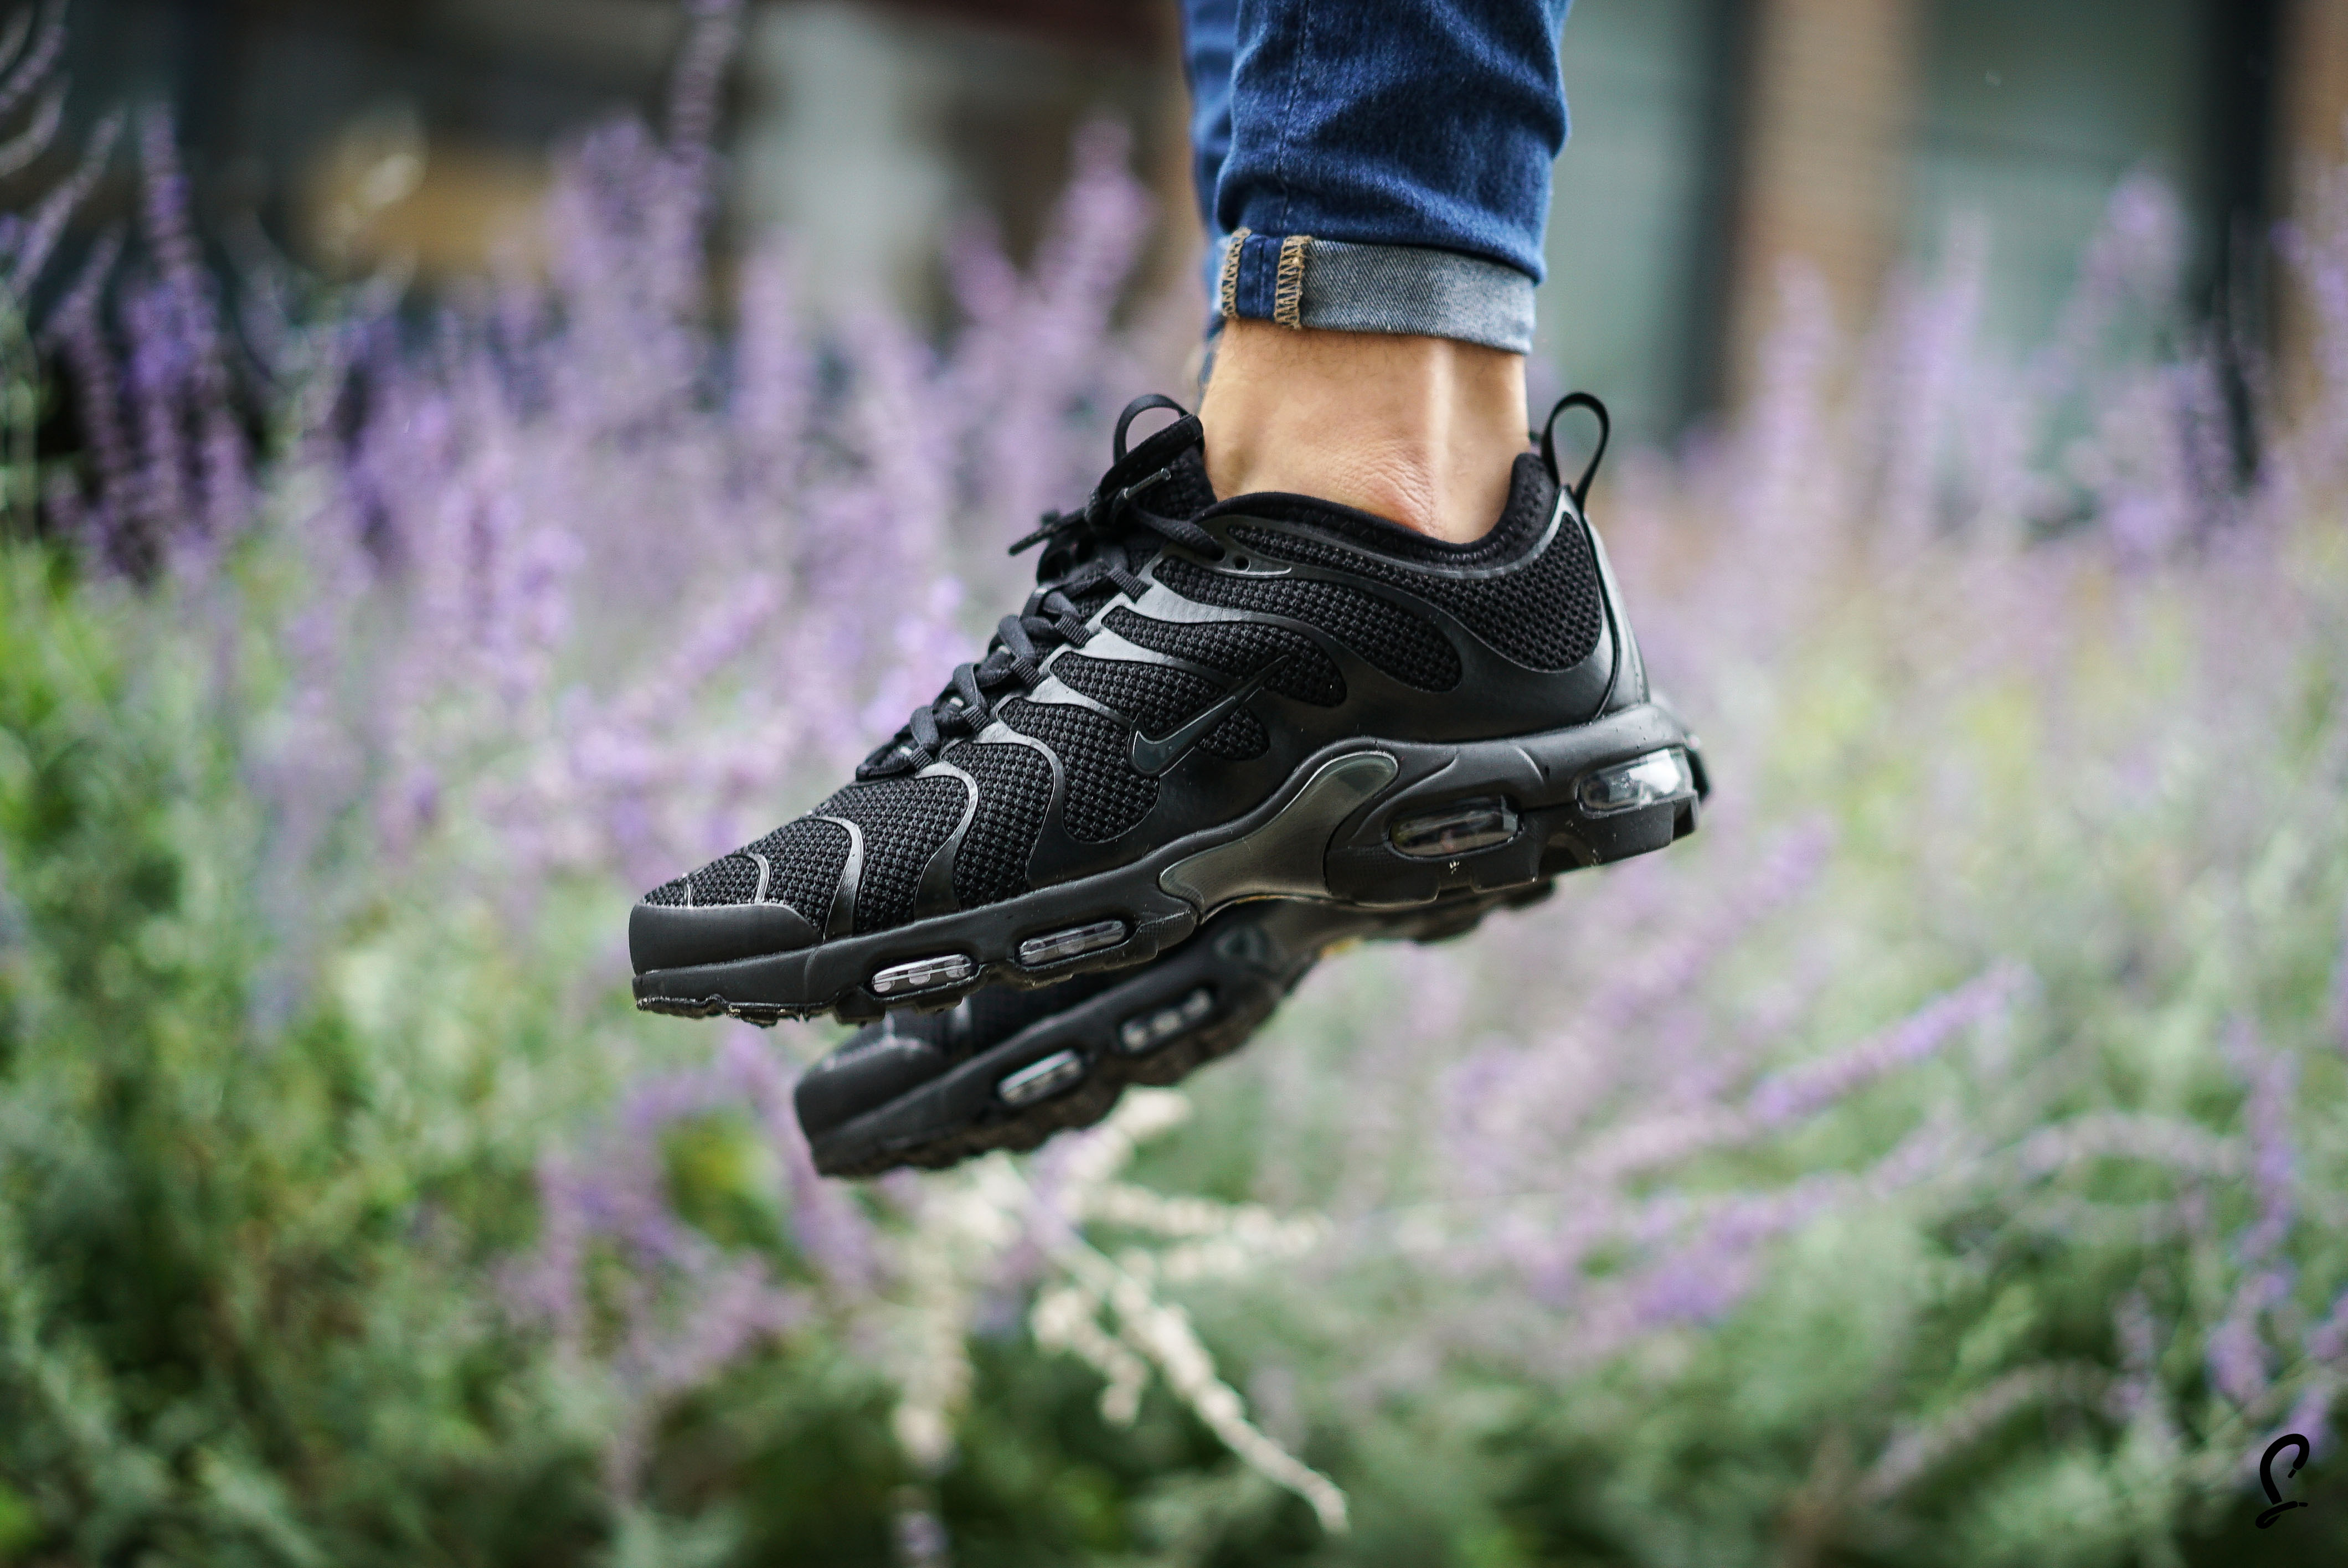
1326,836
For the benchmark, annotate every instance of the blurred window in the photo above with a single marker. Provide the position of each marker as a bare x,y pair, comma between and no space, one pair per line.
1633,239
2030,112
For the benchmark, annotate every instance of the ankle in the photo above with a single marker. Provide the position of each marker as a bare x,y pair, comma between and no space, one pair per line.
1418,430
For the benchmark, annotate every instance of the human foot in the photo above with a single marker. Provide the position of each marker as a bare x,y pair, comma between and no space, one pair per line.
1420,430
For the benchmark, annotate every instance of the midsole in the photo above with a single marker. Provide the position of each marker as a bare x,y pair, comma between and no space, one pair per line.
1334,810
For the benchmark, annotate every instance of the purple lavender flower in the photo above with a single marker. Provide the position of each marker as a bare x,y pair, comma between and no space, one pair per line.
2241,1363
78,330
185,291
29,71
34,242
1800,1091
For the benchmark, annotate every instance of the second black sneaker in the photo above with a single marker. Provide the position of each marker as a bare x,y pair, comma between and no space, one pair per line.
1204,704
1006,1067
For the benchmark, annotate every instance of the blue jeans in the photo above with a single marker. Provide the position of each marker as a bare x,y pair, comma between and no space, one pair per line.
1376,165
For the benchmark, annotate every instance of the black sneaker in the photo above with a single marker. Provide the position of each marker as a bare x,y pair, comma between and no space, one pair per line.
1202,703
1006,1066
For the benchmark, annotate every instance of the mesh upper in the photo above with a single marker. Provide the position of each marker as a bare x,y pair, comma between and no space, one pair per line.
1185,492
1015,791
1544,612
807,857
1239,647
729,880
1239,736
1157,697
1405,646
803,859
904,821
1106,796
1544,615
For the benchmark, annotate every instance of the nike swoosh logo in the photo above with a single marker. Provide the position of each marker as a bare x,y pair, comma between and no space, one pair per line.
1152,755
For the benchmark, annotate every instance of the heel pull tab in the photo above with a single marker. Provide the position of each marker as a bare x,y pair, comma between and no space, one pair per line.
1580,490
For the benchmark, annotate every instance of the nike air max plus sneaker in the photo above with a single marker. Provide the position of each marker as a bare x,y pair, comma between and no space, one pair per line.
1008,1067
1202,703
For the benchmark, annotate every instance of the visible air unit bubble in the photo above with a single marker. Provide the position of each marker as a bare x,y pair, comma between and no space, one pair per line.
1643,781
1456,829
923,974
1147,1031
1039,951
1041,1079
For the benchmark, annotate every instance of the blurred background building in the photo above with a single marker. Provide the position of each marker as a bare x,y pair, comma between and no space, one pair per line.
1713,140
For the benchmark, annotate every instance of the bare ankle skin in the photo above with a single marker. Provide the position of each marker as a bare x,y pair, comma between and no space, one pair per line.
1418,430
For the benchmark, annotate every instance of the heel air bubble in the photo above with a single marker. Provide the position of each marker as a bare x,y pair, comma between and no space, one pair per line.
1041,1080
1643,781
1459,829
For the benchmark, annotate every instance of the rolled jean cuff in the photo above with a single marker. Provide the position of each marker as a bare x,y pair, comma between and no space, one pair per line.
1297,281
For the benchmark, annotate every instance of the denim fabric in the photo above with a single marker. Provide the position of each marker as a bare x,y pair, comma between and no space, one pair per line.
1408,142
1209,33
1304,281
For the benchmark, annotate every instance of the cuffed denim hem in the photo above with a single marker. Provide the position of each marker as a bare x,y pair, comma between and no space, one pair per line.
1301,282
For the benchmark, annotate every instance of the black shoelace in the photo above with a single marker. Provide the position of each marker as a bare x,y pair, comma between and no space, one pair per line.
1100,545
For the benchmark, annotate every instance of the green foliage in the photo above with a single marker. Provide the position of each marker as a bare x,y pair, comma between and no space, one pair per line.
247,1307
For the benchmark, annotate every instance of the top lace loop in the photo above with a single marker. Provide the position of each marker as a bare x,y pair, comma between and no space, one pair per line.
1109,517
1101,545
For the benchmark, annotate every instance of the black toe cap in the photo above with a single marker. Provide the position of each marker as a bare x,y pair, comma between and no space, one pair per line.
870,1071
679,936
